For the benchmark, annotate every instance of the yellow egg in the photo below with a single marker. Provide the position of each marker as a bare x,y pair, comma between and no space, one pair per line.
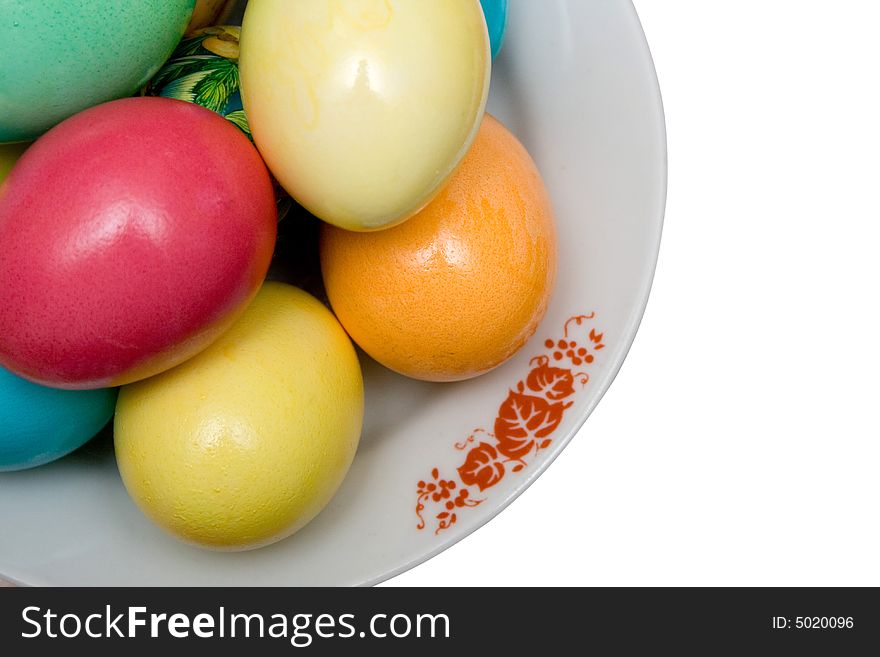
245,443
363,108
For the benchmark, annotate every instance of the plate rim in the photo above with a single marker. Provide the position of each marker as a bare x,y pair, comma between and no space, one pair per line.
613,369
628,337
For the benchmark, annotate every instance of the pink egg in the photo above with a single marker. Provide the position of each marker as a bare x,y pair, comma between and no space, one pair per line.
131,236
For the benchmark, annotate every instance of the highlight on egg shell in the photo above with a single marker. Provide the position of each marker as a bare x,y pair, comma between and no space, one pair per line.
244,444
63,57
131,236
459,288
363,109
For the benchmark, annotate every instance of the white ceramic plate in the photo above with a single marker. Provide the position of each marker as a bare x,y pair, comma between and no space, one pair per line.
576,83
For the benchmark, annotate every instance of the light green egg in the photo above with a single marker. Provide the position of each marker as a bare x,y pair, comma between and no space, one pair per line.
63,56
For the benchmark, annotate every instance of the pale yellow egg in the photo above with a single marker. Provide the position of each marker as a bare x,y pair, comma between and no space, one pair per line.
363,108
246,443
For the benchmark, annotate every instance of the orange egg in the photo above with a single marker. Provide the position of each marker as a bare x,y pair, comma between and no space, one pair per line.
457,289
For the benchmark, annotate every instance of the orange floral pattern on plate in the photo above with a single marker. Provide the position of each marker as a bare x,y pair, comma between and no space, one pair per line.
524,426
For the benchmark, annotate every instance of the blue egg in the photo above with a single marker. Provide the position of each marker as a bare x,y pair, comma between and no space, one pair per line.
496,19
39,425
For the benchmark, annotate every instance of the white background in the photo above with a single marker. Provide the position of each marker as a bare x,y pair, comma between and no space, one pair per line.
740,443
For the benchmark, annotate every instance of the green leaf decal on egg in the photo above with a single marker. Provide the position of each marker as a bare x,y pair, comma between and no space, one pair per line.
204,70
218,85
239,119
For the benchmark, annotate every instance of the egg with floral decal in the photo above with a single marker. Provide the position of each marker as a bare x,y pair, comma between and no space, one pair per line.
204,70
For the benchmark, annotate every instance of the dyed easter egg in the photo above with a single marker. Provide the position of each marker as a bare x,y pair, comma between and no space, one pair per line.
245,443
204,70
496,20
363,109
460,287
131,236
62,57
39,425
9,154
209,12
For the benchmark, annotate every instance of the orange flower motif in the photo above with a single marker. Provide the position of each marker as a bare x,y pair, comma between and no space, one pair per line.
525,423
554,383
482,467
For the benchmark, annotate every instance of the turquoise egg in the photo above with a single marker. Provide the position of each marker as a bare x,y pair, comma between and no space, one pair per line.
39,425
496,20
61,57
